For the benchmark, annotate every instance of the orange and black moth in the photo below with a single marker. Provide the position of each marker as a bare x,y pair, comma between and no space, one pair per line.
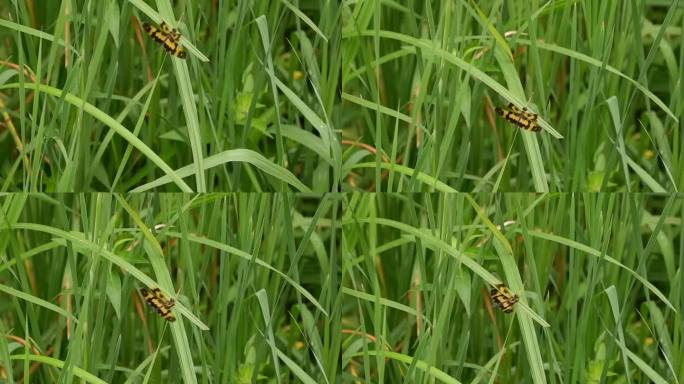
520,117
167,37
503,297
161,304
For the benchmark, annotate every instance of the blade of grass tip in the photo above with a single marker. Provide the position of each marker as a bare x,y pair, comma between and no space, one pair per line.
488,223
645,177
324,130
29,254
646,368
308,140
37,33
51,361
484,181
262,298
385,302
233,155
611,292
661,143
296,370
410,172
615,116
484,20
661,330
37,301
114,125
379,108
308,59
305,19
307,326
157,259
262,25
127,152
433,372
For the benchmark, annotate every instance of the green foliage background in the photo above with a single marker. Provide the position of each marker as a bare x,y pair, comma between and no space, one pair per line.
315,149
253,276
252,108
599,278
421,80
374,288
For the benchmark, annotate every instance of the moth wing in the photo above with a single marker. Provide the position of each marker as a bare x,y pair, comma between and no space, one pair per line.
165,27
169,303
148,28
146,294
502,112
175,34
513,108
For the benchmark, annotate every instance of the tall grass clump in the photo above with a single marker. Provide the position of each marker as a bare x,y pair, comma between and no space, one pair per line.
252,275
598,278
421,81
90,103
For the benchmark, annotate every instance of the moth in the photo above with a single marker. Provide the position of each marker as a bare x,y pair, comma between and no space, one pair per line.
161,304
166,36
503,297
520,117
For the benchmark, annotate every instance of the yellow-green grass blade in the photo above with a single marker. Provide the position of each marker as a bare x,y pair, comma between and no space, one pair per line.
234,155
114,125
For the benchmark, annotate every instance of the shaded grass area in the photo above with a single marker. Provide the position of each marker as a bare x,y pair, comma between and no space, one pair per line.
421,80
598,278
252,276
91,103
